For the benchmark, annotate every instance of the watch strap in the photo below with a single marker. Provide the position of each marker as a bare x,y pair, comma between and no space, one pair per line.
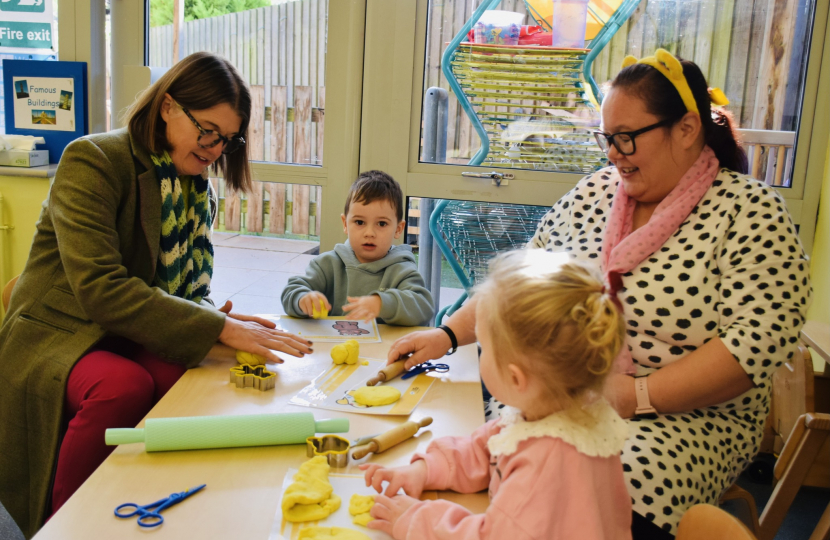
641,392
453,339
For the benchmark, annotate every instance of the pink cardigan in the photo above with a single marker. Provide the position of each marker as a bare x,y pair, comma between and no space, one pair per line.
540,486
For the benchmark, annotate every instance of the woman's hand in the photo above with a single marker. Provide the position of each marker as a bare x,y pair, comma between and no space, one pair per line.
411,478
363,308
420,347
312,301
259,336
387,511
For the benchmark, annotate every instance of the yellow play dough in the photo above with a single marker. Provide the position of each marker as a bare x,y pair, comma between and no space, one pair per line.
321,313
346,353
376,395
250,358
359,507
331,533
310,497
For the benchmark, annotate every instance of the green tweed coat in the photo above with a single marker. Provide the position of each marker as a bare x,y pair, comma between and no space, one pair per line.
89,274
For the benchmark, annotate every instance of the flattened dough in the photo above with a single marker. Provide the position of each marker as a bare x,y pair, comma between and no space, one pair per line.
250,358
359,507
376,395
310,497
331,533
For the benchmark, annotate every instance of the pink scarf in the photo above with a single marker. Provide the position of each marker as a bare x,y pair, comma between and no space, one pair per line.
623,250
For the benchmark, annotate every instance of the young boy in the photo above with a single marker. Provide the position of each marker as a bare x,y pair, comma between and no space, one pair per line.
367,277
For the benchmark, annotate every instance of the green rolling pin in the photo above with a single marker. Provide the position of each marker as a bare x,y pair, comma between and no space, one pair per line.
199,432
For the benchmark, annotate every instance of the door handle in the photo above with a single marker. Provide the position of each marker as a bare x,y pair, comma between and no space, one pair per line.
497,177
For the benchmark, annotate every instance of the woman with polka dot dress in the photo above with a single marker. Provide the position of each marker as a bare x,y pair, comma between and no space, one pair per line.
710,274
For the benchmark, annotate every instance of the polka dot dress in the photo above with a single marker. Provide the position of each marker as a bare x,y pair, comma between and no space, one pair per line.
734,269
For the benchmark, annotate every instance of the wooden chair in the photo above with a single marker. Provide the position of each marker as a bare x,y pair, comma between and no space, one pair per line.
7,292
770,154
798,455
793,402
707,522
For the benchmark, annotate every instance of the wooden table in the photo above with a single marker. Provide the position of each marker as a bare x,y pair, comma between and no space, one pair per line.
244,484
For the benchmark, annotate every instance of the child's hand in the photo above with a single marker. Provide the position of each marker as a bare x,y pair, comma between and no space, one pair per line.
387,511
363,308
311,301
411,478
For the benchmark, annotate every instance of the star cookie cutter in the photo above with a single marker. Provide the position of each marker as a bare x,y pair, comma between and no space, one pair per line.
336,449
246,376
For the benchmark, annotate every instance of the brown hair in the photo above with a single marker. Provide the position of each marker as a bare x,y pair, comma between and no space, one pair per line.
372,186
200,81
663,100
555,312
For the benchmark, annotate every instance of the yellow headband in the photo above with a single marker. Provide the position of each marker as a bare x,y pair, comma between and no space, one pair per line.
665,62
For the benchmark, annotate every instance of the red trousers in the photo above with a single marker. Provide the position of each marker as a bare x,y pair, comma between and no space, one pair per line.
115,385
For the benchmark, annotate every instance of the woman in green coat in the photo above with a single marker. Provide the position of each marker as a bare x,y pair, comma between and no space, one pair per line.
113,304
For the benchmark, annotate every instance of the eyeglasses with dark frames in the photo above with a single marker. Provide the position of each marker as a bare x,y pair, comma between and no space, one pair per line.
209,138
623,141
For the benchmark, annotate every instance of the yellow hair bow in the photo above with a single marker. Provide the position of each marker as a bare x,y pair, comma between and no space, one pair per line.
717,97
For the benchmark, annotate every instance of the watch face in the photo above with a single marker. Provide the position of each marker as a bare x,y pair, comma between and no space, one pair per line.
646,416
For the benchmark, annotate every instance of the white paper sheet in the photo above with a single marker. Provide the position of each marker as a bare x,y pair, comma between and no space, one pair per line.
330,390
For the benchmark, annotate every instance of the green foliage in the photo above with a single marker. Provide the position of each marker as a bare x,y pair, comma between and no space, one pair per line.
161,11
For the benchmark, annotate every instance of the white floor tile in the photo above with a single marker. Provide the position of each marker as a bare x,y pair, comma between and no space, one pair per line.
233,280
296,265
227,257
220,238
256,305
271,285
270,244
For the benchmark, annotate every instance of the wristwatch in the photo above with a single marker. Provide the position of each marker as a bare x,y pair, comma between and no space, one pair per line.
453,339
644,408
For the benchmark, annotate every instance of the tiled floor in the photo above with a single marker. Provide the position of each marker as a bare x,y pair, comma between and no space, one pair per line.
252,271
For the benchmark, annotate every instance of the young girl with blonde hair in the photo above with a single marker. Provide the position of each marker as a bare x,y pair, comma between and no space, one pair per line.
549,333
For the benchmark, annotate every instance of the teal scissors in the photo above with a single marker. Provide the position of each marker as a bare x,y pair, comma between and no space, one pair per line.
423,368
149,515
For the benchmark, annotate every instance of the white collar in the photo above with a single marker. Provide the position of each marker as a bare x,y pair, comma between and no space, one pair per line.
600,432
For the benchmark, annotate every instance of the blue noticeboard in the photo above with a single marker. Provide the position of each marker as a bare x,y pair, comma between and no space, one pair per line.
46,99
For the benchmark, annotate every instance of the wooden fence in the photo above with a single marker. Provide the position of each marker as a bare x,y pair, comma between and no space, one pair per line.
280,51
754,50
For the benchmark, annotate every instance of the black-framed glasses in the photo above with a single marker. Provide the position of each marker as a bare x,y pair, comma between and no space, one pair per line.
623,141
209,138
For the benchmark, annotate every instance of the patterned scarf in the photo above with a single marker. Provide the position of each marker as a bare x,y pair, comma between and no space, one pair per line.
185,263
623,250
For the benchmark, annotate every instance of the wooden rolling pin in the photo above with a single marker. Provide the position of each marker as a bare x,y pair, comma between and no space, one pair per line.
388,373
385,441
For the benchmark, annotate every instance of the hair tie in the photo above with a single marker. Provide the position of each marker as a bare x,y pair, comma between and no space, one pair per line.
717,97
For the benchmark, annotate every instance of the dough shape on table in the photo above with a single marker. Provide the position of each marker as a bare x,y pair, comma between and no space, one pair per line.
345,353
375,396
359,507
331,533
310,497
250,358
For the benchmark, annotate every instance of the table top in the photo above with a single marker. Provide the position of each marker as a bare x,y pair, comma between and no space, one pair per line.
245,484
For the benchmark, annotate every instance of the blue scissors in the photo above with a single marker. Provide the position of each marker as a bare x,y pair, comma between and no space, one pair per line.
150,515
423,368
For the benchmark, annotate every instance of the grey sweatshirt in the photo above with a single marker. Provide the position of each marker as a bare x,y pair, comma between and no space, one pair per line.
405,301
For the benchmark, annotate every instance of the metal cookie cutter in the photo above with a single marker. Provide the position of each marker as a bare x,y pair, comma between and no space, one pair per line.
336,449
245,376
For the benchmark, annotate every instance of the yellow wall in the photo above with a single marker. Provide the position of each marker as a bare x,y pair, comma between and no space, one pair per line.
22,200
820,265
